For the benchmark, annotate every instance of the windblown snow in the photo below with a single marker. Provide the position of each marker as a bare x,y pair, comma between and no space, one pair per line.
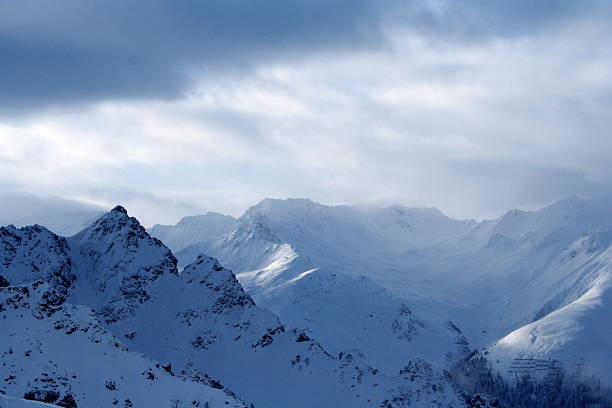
530,284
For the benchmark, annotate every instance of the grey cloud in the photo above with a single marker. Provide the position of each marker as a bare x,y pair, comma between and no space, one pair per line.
497,185
18,205
61,215
473,127
58,52
454,21
66,51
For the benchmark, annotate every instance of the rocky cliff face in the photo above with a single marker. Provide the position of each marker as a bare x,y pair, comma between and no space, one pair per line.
115,262
59,353
31,253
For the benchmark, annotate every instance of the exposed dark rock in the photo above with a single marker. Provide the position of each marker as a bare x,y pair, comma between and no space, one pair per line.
31,253
149,375
268,338
67,401
120,208
130,335
47,396
111,385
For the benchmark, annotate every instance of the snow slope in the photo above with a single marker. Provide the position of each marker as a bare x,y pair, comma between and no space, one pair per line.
490,278
345,313
575,327
366,306
195,332
59,353
577,335
352,314
31,253
198,229
201,320
220,329
11,402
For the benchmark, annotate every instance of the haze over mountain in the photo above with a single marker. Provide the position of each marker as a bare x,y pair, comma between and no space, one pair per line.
323,305
114,294
63,216
526,284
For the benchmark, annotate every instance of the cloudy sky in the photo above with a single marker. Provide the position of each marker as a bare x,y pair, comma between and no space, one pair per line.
179,107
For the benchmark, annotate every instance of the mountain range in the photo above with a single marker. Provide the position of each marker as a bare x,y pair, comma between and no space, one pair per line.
300,304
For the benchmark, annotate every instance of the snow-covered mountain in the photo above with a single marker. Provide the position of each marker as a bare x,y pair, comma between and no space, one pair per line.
538,283
60,352
198,229
352,314
328,306
527,268
288,255
34,253
142,324
277,240
561,285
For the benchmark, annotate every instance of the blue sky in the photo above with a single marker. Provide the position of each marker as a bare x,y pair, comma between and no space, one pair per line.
174,108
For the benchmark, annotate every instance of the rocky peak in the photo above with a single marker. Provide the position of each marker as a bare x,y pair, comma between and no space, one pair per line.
116,225
254,225
120,208
34,253
116,231
117,261
221,285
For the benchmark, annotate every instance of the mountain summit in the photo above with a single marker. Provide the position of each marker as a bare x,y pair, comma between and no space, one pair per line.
114,294
301,304
498,280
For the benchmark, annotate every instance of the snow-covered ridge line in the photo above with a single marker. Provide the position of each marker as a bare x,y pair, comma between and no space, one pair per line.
199,323
366,307
491,277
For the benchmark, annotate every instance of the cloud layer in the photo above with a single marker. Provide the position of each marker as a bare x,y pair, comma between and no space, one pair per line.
67,51
474,107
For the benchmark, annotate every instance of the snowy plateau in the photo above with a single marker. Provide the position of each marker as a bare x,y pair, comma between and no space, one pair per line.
299,304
